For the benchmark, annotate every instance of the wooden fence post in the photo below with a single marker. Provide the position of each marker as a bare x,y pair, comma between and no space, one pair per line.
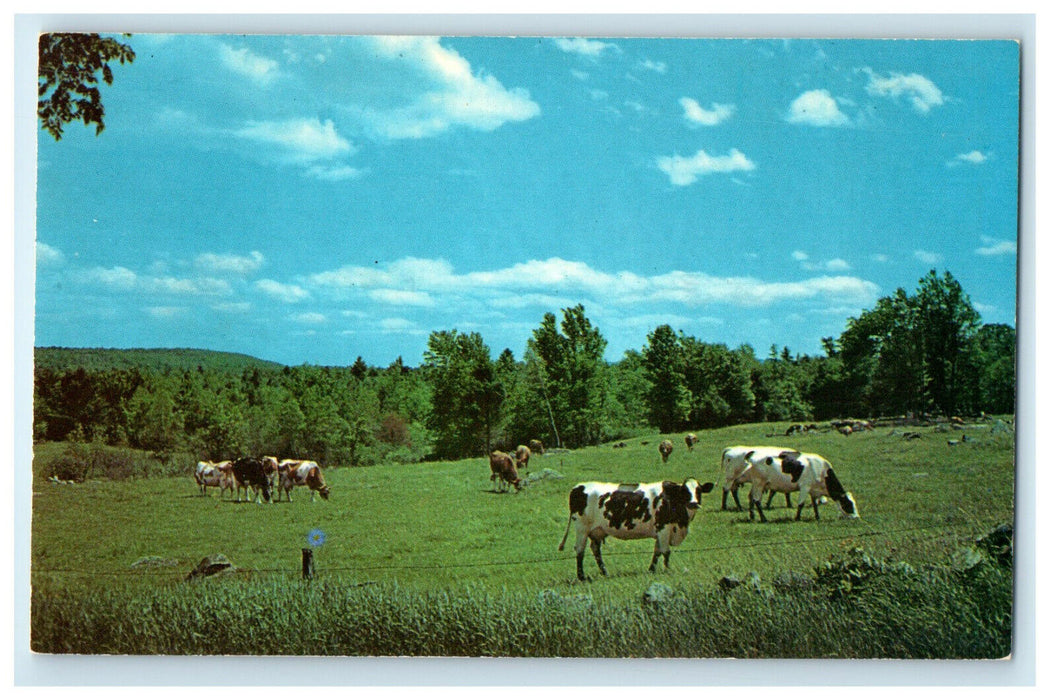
308,568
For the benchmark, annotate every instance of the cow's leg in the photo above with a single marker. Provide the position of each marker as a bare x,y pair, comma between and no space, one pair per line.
814,504
723,504
596,549
788,501
757,499
770,498
581,546
734,493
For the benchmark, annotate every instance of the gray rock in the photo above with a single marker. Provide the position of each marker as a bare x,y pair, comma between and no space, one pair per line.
211,565
657,593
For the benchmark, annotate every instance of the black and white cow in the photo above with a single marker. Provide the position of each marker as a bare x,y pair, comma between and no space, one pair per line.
251,472
736,470
809,474
661,510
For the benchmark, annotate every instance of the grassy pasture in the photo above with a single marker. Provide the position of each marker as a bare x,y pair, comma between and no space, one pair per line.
437,528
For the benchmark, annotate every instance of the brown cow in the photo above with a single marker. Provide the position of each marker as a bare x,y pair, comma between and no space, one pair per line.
536,446
665,448
522,455
504,469
691,439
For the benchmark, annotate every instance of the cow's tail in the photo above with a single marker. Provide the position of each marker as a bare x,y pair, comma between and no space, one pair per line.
567,525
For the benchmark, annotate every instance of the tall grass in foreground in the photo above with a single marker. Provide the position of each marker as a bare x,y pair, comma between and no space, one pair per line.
854,606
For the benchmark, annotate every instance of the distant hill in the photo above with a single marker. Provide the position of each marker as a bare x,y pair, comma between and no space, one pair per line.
157,359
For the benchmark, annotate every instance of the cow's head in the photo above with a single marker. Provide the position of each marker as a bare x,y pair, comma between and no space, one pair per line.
324,491
848,507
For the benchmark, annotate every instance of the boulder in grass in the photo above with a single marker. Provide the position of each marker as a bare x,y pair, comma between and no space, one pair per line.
657,593
210,566
152,562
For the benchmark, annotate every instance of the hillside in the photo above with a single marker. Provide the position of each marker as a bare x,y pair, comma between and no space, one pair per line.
61,359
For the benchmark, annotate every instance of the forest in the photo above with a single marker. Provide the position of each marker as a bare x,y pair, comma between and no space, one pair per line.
921,352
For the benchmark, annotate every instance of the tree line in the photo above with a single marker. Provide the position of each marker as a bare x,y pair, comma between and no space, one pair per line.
912,353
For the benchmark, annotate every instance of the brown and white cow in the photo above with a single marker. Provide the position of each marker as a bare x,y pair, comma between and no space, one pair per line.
536,446
302,472
504,469
665,449
691,440
215,475
522,456
271,468
661,510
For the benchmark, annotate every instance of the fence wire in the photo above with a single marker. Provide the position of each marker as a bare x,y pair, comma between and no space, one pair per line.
167,571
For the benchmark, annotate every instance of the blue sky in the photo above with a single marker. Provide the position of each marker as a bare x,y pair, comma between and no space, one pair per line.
314,199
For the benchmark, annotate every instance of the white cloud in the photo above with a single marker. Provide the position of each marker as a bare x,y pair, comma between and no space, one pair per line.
122,278
972,158
555,282
686,170
309,317
117,277
927,257
337,173
655,66
800,255
879,257
401,297
921,92
259,69
457,95
289,293
996,247
164,312
598,95
230,263
816,108
699,116
301,140
47,255
235,307
591,48
400,325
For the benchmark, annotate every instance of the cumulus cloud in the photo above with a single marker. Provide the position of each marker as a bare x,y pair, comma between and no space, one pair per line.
401,297
592,48
300,140
994,246
165,312
259,69
919,91
123,279
555,281
697,115
457,95
655,66
686,170
972,158
310,317
927,257
230,263
47,255
816,108
289,293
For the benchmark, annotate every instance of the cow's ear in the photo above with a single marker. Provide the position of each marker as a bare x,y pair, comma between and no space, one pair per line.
750,453
706,487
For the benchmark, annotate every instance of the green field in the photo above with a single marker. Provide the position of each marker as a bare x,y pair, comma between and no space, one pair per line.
415,532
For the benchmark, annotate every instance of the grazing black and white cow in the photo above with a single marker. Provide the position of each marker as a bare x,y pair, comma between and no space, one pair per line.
661,510
810,474
736,470
301,472
251,473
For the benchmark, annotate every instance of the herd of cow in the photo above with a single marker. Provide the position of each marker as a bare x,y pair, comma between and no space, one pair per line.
661,510
264,476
